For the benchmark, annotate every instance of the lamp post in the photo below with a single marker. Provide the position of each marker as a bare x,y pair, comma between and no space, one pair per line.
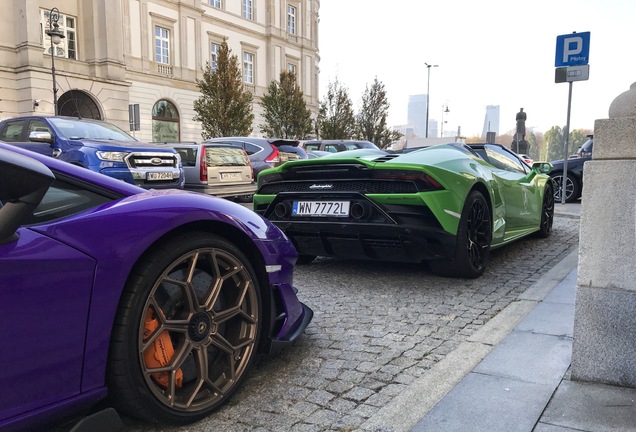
56,37
428,86
444,110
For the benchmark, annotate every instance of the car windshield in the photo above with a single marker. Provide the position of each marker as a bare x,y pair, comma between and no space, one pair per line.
82,129
586,148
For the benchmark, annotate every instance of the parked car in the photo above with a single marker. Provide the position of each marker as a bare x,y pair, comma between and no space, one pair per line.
448,204
527,159
161,300
313,154
334,146
574,175
265,152
98,146
222,170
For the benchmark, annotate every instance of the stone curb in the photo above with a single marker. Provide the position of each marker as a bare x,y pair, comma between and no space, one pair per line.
405,410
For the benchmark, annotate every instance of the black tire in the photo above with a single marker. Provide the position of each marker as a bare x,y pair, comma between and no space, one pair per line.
202,295
305,259
547,212
245,198
572,187
474,236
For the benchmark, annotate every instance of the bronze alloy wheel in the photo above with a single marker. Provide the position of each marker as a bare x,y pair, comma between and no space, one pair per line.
206,302
192,315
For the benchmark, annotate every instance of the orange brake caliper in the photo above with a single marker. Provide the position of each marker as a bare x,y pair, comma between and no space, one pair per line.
160,352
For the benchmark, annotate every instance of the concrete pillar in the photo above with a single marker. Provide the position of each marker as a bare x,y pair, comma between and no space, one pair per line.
604,348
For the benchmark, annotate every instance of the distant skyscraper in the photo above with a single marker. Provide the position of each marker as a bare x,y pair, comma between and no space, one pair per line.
491,121
417,114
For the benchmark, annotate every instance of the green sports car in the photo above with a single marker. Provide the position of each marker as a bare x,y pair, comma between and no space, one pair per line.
448,205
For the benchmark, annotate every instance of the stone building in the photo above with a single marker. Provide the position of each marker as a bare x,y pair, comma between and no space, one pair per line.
118,54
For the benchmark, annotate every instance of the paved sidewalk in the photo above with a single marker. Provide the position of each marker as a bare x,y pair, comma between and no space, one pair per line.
572,210
512,375
523,384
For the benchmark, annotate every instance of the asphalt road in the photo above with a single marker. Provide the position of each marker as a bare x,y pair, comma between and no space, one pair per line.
377,328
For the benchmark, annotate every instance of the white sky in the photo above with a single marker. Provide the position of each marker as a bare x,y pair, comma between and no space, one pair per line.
489,52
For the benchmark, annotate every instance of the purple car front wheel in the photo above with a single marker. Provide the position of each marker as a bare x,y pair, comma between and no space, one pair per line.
191,322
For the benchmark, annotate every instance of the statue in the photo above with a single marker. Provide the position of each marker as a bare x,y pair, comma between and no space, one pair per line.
519,144
521,124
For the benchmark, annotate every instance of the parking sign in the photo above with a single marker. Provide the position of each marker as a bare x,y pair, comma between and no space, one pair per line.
572,49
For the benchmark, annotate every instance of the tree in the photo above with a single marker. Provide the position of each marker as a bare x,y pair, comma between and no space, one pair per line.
285,111
336,119
554,141
225,106
371,119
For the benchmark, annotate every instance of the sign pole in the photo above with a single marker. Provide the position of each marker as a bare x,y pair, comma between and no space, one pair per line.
571,61
566,146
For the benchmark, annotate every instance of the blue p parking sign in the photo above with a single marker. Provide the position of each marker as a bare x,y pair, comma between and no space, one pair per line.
572,49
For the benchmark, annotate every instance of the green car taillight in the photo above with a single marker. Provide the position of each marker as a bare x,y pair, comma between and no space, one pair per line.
423,181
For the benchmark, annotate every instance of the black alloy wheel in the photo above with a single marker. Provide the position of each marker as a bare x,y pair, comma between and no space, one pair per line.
547,212
474,236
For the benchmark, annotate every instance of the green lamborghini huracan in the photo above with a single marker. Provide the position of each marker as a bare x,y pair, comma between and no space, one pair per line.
448,205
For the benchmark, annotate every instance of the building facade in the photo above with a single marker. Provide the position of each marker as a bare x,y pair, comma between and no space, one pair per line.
141,59
491,120
416,115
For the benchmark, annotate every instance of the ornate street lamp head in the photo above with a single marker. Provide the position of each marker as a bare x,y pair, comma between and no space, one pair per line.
54,31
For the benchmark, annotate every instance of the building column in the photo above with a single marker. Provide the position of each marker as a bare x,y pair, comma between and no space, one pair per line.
604,348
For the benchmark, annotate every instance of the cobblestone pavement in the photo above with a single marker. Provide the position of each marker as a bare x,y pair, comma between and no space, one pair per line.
377,327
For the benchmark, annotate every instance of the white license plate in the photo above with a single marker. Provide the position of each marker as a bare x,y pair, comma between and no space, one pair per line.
159,176
231,176
321,208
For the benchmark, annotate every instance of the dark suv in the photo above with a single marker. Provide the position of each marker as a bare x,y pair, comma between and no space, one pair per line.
265,152
574,179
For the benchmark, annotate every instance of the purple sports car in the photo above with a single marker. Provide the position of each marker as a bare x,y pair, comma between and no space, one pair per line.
157,301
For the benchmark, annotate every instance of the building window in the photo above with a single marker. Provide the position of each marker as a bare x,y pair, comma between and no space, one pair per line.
214,56
291,19
162,45
165,122
291,68
248,68
215,3
248,11
67,25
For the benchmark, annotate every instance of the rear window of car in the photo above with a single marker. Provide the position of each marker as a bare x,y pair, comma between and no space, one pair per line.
366,145
226,156
292,152
188,155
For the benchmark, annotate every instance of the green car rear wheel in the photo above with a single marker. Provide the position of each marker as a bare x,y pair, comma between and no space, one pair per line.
473,241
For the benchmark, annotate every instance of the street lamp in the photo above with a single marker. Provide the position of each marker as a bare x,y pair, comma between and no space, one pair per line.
56,37
444,110
428,86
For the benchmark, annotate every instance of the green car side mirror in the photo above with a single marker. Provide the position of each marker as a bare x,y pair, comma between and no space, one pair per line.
542,167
